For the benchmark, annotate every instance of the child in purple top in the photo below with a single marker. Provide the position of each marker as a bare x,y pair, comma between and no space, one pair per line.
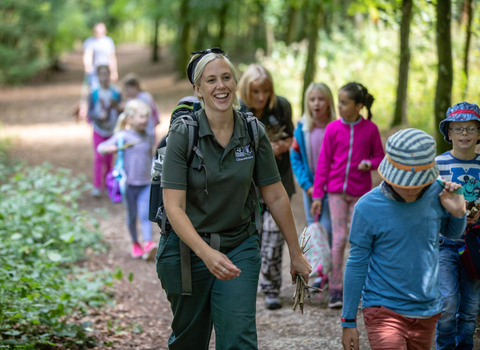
137,156
351,149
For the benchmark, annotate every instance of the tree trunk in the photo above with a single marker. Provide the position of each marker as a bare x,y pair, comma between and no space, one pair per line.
155,55
184,39
290,35
314,17
443,94
469,12
202,35
222,21
401,112
259,28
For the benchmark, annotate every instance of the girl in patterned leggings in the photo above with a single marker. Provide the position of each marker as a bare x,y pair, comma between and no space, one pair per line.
351,149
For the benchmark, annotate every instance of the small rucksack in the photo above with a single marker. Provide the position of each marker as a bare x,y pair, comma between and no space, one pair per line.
186,110
470,252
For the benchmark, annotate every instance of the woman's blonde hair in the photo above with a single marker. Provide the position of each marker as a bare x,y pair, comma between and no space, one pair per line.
255,73
325,90
200,67
131,107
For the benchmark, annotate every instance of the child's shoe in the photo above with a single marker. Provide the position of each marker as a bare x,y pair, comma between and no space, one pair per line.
336,299
137,250
150,251
317,283
96,192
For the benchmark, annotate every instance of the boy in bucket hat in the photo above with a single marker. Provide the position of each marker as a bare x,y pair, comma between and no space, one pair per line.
393,261
460,293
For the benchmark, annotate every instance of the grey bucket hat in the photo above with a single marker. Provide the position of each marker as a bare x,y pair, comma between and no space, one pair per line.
461,112
410,159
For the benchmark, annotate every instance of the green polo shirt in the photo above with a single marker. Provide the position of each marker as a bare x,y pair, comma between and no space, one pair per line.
218,194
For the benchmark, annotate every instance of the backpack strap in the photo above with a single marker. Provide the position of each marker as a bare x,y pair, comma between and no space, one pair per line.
191,123
185,268
252,127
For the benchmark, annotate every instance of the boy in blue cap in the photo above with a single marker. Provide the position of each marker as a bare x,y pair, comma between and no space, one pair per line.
460,293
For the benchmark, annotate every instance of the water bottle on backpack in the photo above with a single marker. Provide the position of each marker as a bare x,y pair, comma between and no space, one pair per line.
156,208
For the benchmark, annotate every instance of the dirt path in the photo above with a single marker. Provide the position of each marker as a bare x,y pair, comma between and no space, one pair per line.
38,118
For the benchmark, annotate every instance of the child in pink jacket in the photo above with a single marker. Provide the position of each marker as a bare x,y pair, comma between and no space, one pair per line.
352,147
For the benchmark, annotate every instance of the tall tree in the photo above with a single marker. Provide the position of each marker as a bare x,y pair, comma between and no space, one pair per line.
401,112
468,36
292,19
184,41
258,28
156,26
443,93
314,21
222,22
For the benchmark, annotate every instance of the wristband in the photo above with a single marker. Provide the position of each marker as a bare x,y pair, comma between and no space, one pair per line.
349,319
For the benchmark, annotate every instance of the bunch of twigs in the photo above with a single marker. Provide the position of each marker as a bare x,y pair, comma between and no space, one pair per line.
279,135
302,288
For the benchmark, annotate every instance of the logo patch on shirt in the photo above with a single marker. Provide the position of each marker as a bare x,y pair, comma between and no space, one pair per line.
243,153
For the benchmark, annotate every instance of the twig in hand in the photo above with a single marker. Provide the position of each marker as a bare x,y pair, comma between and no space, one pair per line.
302,287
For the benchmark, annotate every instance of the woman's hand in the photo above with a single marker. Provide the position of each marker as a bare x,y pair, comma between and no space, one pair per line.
103,115
299,266
220,266
453,203
107,149
281,146
316,207
365,165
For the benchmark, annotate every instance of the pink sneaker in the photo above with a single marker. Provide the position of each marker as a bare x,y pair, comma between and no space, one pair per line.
150,251
137,250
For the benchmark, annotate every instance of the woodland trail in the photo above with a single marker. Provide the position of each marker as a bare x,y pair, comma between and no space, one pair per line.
38,118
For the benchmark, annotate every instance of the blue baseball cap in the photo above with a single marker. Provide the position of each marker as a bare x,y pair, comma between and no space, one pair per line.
461,112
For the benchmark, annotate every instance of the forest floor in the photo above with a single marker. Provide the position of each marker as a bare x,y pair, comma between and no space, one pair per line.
38,118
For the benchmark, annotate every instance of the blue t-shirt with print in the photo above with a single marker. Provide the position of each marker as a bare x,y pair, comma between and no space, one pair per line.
464,172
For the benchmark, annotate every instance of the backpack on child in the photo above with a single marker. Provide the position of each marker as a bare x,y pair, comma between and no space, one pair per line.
186,110
318,253
116,178
470,252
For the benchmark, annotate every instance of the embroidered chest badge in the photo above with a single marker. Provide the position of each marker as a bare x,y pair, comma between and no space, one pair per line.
243,153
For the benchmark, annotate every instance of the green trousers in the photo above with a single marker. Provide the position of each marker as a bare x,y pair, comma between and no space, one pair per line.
229,306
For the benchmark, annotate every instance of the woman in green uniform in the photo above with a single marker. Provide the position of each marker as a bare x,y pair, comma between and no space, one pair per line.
212,198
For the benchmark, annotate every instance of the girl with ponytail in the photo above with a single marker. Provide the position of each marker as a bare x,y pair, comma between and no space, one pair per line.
351,149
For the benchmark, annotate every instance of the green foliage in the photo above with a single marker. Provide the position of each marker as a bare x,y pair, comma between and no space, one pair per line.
369,55
42,235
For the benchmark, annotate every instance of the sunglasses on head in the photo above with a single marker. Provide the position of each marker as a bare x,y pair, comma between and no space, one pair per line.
207,51
191,67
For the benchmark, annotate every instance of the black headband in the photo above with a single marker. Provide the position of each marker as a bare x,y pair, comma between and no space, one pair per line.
192,65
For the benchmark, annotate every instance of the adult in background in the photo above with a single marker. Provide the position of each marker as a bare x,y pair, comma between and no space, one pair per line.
258,96
209,205
98,50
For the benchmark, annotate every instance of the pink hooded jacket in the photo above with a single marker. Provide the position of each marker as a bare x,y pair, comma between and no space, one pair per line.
345,145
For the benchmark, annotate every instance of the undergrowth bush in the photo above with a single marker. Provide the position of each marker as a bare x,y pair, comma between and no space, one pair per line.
42,235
